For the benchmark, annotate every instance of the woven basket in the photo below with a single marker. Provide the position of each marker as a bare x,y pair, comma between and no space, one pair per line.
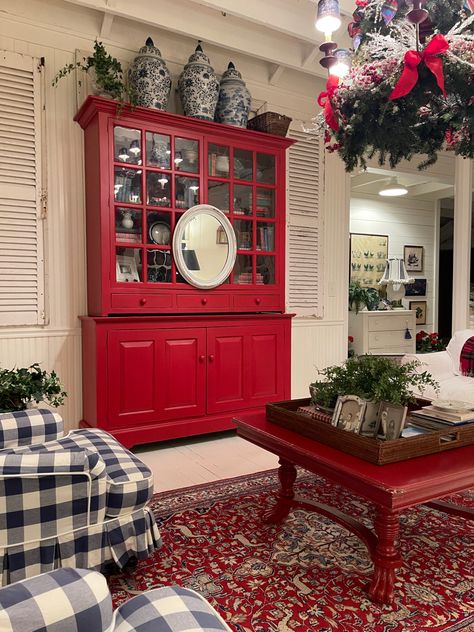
271,123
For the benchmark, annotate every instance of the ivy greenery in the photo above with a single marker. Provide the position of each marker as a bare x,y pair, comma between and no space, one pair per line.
108,73
360,296
371,377
20,387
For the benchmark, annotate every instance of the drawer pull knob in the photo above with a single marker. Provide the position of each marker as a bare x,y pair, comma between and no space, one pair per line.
202,358
211,358
258,301
143,301
204,301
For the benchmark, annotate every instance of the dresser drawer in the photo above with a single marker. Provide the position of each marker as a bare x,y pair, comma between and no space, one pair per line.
206,302
390,322
255,302
382,339
135,301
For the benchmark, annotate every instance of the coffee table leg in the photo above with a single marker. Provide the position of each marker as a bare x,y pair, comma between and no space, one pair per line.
386,556
287,476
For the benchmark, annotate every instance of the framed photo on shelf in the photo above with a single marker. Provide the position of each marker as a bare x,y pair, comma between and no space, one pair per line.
349,413
391,420
419,307
126,269
417,288
413,258
368,256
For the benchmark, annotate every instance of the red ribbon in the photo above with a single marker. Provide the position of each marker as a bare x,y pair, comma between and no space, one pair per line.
324,100
409,76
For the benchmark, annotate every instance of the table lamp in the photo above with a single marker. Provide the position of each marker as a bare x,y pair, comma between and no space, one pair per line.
395,277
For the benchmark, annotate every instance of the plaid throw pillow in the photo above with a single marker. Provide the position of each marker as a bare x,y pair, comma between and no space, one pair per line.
467,358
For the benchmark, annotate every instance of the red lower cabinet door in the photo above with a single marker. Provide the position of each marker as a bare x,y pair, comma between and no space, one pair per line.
155,375
245,366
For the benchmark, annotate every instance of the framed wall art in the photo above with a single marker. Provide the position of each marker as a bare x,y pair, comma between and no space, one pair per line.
126,269
413,257
368,255
417,288
420,308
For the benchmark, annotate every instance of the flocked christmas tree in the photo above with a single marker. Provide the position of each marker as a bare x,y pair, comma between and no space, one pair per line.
411,87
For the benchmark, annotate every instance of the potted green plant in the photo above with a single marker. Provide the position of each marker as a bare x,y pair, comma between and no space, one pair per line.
362,296
106,74
371,377
21,387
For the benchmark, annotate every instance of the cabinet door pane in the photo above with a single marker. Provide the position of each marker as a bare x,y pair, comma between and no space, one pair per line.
243,273
265,273
243,199
186,192
265,236
186,155
218,195
127,145
159,266
158,150
128,225
158,228
243,164
129,267
266,168
158,189
128,185
265,202
243,234
218,160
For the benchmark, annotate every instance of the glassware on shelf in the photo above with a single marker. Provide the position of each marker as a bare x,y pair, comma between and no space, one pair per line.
127,145
128,185
243,199
266,168
158,150
218,160
186,155
218,194
128,265
186,192
243,164
158,189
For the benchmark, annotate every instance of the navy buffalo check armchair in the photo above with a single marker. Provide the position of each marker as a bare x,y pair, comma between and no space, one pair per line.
69,501
75,600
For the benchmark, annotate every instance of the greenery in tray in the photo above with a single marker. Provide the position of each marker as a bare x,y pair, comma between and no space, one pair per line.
362,296
371,377
20,387
107,74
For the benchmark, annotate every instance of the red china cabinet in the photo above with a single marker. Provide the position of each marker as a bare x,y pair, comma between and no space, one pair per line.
162,358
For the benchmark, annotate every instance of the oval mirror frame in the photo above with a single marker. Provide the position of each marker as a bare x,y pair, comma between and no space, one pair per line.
184,220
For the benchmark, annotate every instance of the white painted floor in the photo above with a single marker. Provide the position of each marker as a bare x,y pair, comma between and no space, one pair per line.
194,460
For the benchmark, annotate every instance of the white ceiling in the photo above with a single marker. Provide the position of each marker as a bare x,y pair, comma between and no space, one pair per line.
419,184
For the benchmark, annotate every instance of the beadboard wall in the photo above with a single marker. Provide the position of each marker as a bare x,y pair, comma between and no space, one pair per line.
406,222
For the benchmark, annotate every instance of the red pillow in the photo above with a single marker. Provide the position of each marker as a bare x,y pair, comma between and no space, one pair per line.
467,358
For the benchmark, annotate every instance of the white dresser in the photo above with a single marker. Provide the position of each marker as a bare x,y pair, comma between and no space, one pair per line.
383,332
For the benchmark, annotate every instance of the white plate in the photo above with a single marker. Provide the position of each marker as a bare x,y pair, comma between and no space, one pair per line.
452,405
160,233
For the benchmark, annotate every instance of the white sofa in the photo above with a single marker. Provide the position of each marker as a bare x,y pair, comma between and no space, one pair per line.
444,366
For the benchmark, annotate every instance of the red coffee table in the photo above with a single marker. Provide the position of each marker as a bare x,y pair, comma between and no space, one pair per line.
392,488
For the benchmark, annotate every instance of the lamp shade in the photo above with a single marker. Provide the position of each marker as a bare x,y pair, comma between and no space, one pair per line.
342,63
328,18
395,272
393,189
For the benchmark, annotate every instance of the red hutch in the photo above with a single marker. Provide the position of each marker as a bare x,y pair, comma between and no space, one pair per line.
161,358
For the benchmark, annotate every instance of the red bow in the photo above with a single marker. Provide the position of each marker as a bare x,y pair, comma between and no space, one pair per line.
409,76
324,100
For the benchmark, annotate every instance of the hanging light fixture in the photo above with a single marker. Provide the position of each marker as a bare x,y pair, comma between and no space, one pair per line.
393,189
123,154
328,20
342,62
135,147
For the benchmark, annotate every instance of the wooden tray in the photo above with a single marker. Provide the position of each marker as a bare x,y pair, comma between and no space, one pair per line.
367,448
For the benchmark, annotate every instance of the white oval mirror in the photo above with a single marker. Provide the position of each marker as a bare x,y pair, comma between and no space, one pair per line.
204,246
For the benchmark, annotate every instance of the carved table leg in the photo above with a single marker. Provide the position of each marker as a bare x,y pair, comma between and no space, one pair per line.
287,476
386,556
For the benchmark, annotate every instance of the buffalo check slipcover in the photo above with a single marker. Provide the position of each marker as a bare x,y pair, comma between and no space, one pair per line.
79,500
73,600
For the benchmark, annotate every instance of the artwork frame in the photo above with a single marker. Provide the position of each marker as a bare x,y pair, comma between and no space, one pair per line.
419,307
349,413
413,258
367,258
126,269
391,420
417,288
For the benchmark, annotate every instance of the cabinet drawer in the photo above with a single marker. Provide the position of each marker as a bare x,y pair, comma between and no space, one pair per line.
134,301
382,339
390,322
206,302
256,302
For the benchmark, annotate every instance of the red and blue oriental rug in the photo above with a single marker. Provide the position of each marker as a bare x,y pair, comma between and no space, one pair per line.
308,573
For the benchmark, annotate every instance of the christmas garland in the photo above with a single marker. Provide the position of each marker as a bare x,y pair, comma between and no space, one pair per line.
397,101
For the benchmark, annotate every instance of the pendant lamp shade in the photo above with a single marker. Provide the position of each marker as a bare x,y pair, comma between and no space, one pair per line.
393,189
328,18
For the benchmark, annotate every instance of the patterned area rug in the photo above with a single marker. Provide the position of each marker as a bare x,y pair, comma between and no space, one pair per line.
307,573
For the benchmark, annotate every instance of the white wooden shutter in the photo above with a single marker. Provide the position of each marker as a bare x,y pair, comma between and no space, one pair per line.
304,226
21,231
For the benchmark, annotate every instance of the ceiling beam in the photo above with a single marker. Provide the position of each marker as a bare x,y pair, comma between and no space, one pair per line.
365,179
189,19
106,28
428,188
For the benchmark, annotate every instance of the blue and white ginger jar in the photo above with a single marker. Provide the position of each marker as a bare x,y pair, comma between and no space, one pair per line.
198,87
149,77
233,106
